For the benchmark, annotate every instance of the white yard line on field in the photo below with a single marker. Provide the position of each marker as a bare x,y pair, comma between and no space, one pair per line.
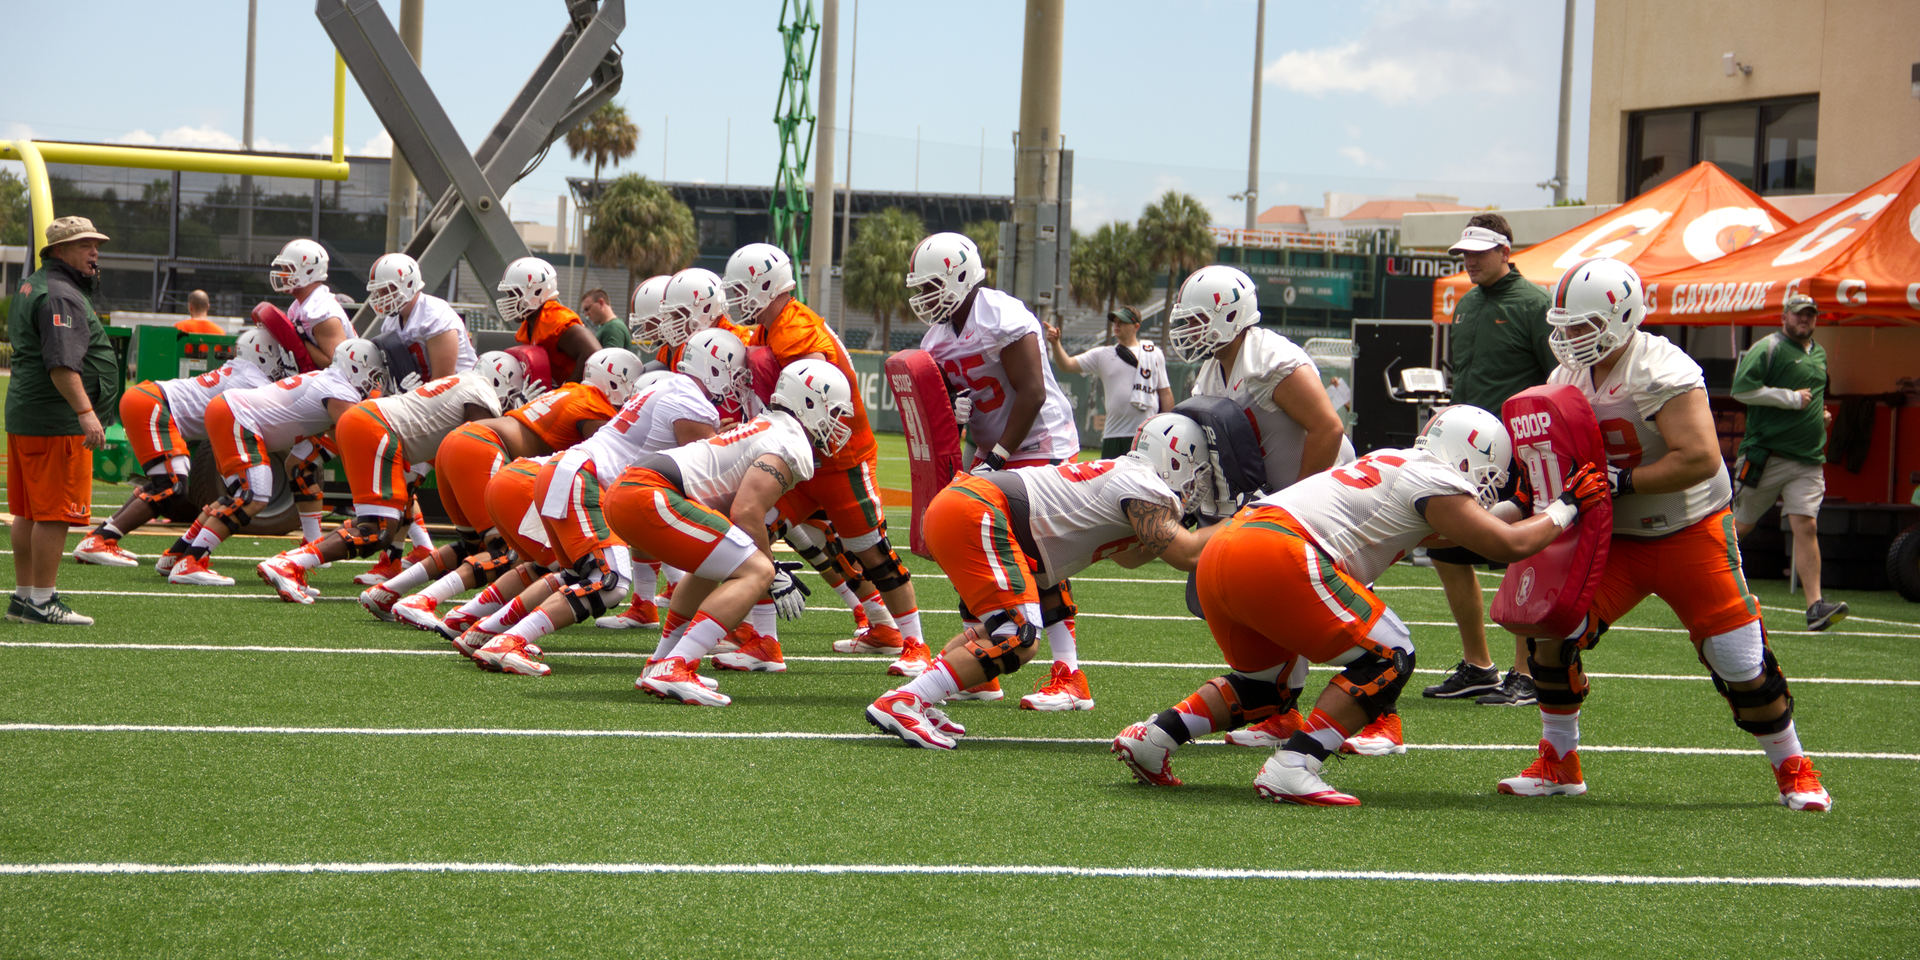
620,655
1893,623
803,735
918,869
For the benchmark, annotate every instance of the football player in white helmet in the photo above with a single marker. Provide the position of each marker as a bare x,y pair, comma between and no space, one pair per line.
300,269
531,302
1289,576
1673,534
1072,516
643,319
718,359
757,274
432,331
692,301
613,371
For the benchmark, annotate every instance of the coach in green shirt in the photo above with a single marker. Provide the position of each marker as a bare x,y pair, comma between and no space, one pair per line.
1783,381
597,311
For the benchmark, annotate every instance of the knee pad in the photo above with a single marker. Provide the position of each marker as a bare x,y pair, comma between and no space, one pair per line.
1376,678
889,573
230,512
1773,687
160,486
1250,700
1056,604
588,602
596,584
1000,654
367,534
304,478
1737,655
489,565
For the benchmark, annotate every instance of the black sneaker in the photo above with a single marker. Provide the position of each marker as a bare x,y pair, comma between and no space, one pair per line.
1465,681
16,609
54,612
1822,615
1515,691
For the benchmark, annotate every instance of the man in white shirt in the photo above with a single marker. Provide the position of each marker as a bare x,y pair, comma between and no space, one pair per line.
1133,378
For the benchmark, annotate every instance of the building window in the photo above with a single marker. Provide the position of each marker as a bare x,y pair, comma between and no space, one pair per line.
1771,146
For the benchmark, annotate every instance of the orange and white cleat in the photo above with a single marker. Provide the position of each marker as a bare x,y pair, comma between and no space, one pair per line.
416,556
741,636
195,571
470,641
1269,734
705,681
417,612
880,641
904,715
507,653
103,551
379,601
860,621
643,614
1800,787
1062,690
164,565
988,691
674,679
761,654
1377,739
1550,775
1291,777
1147,752
915,659
287,578
384,569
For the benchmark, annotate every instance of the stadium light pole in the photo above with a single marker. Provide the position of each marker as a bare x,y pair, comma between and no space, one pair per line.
1253,139
820,224
1036,180
400,183
1566,109
846,216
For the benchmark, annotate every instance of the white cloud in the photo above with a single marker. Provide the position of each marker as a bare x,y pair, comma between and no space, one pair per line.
205,136
1414,51
1360,157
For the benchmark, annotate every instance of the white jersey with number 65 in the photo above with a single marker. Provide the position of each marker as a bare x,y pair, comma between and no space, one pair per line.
1369,513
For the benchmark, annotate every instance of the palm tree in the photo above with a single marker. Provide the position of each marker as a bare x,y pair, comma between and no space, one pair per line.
638,223
1110,267
1178,239
606,137
985,234
875,266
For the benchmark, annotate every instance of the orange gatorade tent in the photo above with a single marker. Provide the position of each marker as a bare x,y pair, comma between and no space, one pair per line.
1858,260
1698,216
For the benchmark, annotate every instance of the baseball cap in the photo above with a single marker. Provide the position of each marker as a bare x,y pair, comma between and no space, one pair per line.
1799,302
72,228
1125,315
1480,238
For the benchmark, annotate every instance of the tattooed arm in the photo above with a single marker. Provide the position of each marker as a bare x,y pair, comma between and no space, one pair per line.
768,479
1161,535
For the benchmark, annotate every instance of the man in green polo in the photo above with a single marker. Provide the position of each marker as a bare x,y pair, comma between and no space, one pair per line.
1783,381
1499,348
609,327
65,388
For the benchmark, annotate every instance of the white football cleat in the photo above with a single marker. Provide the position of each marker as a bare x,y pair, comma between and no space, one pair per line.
510,654
1800,787
1549,775
915,659
195,571
1147,752
880,641
417,612
287,578
1063,690
1377,739
1290,777
673,679
902,714
103,551
379,601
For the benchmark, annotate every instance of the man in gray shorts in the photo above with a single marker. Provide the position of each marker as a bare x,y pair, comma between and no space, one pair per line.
1783,381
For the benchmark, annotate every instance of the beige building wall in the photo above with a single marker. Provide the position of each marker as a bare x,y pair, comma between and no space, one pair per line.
1856,54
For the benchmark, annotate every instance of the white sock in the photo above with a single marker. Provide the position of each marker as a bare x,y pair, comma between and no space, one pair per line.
1197,725
1328,737
180,466
672,573
40,595
500,620
765,619
206,539
847,596
443,589
909,624
411,579
1562,730
877,612
699,639
1060,640
304,557
652,582
1780,746
533,626
310,526
483,605
23,591
935,685
418,534
1297,676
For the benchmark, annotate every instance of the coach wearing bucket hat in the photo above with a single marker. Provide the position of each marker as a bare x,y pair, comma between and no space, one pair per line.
1499,348
66,386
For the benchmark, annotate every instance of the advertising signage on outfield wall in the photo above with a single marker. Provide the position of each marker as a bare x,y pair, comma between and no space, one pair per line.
1302,287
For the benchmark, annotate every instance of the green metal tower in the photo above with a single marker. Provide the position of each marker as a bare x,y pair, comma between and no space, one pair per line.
793,115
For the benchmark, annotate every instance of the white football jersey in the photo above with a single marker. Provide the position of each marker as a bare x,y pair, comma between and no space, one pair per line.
187,397
711,469
287,411
645,425
1265,359
431,317
1077,513
1365,514
970,361
1652,372
319,306
423,416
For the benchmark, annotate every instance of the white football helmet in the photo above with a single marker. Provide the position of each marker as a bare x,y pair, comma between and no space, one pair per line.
507,373
528,283
362,364
613,371
1214,305
649,380
393,283
643,320
259,347
1474,442
756,274
1176,448
691,303
1597,305
299,263
718,359
816,393
944,268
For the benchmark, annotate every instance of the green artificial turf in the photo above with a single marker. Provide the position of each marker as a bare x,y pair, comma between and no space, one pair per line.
851,797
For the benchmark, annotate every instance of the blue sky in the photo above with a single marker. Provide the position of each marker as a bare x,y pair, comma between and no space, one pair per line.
1375,96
